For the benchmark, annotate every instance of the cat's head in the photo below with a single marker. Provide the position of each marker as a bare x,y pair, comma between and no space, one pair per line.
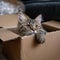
32,24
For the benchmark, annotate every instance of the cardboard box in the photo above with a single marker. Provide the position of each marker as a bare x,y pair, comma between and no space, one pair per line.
51,25
11,44
50,50
8,21
27,49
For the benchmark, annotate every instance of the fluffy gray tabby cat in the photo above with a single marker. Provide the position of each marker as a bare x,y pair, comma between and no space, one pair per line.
28,26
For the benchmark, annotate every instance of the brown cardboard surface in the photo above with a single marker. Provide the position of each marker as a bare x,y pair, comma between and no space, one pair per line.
11,49
9,21
51,25
14,29
28,49
6,35
11,44
50,50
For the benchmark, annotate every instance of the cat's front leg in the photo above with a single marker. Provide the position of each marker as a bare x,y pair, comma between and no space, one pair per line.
40,37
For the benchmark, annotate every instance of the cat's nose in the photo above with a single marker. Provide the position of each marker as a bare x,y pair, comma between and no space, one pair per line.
33,29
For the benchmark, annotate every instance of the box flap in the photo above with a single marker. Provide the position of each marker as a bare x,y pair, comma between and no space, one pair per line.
54,24
7,21
6,35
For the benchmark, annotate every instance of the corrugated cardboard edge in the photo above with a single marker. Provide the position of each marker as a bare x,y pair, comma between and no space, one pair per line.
6,35
52,25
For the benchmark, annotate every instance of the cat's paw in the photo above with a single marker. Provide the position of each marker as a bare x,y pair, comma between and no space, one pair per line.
40,38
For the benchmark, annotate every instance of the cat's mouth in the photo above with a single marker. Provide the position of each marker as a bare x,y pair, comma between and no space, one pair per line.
33,31
40,32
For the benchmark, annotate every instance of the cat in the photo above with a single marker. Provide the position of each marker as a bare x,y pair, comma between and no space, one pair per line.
28,26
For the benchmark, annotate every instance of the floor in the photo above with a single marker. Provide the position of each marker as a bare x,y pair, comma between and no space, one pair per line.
2,57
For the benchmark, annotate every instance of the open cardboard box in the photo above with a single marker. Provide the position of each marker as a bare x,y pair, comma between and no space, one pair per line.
26,48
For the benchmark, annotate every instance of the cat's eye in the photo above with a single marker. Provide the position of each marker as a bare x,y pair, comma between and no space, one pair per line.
28,24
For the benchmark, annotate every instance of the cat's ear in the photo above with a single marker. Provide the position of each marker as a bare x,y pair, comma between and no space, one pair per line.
39,18
23,17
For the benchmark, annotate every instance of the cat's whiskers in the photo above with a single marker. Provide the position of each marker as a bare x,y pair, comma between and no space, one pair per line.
34,32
